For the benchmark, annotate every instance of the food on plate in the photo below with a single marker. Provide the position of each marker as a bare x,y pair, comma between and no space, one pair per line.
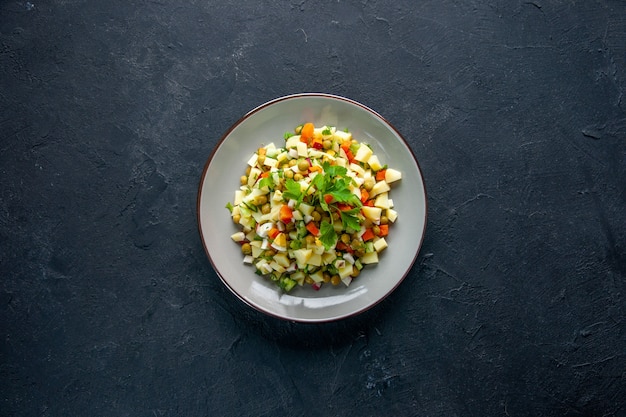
315,209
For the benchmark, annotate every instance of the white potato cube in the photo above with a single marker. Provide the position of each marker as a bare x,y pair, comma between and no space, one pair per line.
372,213
363,153
379,187
392,175
302,149
380,244
370,258
374,163
382,200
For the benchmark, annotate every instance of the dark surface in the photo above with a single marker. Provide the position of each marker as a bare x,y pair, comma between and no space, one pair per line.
515,110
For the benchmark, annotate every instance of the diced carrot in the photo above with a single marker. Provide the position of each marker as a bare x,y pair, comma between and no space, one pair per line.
384,230
285,214
312,228
315,168
343,247
273,232
369,203
349,155
345,145
328,198
380,174
368,235
344,207
264,174
307,132
365,195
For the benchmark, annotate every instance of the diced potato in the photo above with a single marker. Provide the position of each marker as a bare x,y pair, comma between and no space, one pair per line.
317,132
270,162
239,195
278,196
251,235
302,256
282,156
316,154
317,248
253,159
370,258
306,209
345,271
317,276
271,150
372,213
257,250
342,136
302,149
382,200
254,194
281,259
392,175
277,267
392,215
380,244
292,142
379,187
363,153
298,276
254,174
357,168
263,266
374,163
315,260
238,237
247,221
329,257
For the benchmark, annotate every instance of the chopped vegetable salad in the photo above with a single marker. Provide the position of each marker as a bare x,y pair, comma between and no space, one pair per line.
315,209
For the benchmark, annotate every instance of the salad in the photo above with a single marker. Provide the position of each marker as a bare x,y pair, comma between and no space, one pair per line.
315,209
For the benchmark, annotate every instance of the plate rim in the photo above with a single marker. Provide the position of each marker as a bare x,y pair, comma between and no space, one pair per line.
218,145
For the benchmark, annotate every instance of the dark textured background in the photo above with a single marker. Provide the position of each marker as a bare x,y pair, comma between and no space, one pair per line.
515,110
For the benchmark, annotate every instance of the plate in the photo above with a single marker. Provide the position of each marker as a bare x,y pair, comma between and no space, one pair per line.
220,178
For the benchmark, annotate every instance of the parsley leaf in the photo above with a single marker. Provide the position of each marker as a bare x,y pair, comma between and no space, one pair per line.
344,195
350,220
266,182
319,182
293,190
334,170
328,236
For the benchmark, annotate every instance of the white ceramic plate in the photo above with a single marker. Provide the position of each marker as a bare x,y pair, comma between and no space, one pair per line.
220,178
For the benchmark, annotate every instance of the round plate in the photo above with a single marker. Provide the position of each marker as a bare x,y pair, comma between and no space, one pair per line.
220,178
